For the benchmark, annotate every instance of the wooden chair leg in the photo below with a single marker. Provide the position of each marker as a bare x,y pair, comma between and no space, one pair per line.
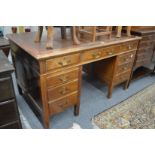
49,44
128,31
110,89
38,34
63,32
94,33
119,30
75,39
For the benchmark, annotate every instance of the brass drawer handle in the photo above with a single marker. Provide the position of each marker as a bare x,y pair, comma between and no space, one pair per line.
64,62
96,55
63,79
110,53
129,47
63,91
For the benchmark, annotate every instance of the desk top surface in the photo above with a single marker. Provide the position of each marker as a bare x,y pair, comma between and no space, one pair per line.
61,46
5,65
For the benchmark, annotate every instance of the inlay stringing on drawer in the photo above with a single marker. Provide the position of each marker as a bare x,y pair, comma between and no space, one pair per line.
63,61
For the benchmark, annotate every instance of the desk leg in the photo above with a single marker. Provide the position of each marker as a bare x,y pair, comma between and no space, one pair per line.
77,106
45,116
110,89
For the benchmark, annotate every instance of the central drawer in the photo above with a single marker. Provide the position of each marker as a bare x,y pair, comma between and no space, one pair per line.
63,90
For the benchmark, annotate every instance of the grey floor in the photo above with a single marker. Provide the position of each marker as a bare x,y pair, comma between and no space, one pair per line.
93,102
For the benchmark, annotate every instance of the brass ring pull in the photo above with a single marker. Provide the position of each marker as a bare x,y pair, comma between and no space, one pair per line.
64,91
110,53
129,47
96,55
64,62
63,79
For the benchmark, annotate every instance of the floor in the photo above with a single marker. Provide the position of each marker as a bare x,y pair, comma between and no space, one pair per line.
93,102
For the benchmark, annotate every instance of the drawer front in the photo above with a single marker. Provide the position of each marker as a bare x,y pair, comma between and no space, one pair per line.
129,46
62,78
142,63
144,50
148,38
121,78
92,55
126,58
111,51
6,89
124,68
62,104
146,55
61,62
8,112
62,90
143,44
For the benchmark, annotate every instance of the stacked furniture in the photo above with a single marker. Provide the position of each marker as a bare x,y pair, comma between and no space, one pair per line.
9,115
145,54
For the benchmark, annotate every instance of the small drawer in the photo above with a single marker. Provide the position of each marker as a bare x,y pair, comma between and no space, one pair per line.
143,44
129,46
8,112
143,62
126,58
61,62
148,38
62,90
62,78
122,78
62,104
146,55
124,68
6,89
110,51
92,54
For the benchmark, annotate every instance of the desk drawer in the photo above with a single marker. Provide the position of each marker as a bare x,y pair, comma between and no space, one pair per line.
124,68
62,78
61,62
122,78
62,104
126,58
143,44
8,112
129,46
62,90
6,90
110,51
92,54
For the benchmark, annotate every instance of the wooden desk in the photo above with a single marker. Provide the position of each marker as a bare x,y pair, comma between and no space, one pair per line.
51,79
4,45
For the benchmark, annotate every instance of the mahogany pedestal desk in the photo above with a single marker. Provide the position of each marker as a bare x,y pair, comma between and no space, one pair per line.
50,80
